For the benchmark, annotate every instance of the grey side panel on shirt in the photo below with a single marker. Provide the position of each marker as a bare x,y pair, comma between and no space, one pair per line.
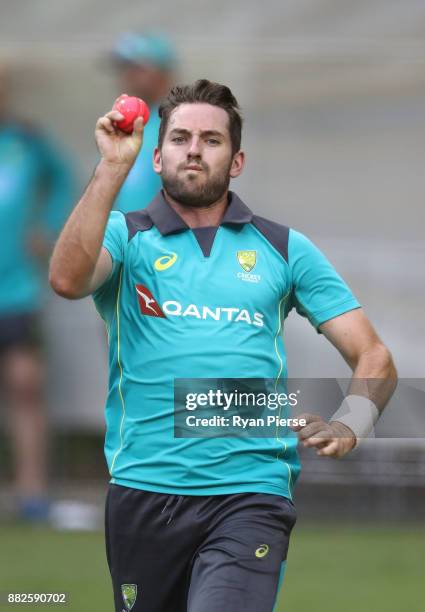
138,221
275,233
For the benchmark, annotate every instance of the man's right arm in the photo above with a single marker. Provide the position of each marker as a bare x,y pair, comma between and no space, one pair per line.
79,264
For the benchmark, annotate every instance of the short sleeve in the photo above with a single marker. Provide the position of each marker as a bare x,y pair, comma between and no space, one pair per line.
116,236
318,292
114,241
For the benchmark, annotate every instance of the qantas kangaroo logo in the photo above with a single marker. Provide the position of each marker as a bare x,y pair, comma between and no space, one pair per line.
148,305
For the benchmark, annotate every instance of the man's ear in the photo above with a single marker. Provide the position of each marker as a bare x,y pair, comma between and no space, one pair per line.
238,164
157,161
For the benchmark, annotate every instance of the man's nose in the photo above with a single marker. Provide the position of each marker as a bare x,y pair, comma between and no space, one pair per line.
194,149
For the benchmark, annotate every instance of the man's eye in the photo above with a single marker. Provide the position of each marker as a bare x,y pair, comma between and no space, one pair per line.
213,141
178,139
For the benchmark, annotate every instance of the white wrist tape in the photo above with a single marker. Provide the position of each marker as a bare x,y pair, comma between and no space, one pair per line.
359,414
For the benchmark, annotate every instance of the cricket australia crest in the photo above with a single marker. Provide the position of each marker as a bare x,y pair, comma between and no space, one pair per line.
129,594
247,259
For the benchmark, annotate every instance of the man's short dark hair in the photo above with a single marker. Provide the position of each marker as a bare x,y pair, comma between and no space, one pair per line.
207,92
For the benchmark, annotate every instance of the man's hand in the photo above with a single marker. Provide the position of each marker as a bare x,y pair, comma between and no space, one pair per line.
79,264
332,439
115,146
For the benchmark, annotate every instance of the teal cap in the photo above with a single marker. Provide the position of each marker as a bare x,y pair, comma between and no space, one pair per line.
140,48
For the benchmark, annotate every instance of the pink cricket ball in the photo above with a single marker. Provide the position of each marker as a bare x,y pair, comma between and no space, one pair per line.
131,107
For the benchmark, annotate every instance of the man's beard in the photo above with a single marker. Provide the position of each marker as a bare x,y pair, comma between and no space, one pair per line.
185,191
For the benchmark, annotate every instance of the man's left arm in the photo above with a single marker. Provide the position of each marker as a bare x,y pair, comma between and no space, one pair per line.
372,385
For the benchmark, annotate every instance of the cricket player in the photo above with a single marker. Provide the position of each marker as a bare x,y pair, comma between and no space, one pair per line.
197,286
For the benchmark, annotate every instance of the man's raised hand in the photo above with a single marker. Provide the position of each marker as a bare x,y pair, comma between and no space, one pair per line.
115,146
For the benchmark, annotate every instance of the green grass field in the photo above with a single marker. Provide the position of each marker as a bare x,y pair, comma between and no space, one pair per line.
330,569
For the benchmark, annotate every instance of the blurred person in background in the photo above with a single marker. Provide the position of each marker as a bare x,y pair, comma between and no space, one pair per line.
145,65
36,188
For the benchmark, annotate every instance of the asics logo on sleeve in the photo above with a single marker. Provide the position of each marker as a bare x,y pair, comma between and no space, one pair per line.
165,262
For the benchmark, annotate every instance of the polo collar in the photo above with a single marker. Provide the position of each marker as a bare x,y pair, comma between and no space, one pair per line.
168,221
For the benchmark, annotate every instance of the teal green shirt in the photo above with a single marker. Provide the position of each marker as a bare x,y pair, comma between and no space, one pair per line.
205,303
